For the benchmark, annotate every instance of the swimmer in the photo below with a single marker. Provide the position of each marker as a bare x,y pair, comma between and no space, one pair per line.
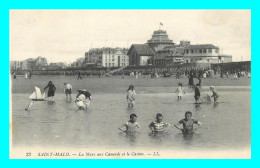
158,125
187,124
130,126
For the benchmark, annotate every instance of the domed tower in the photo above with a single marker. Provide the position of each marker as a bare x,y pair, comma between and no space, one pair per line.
159,40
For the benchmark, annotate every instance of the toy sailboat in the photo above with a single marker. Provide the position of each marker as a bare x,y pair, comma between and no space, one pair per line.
37,95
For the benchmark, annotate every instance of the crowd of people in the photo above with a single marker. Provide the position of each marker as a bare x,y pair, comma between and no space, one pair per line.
83,97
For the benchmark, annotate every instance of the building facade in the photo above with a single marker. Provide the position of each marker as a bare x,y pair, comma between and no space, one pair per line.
15,65
107,57
140,54
204,53
165,52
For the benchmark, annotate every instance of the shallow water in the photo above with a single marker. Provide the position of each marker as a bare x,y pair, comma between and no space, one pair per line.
61,124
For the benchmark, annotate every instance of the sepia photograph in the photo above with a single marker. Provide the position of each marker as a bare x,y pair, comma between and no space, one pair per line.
130,84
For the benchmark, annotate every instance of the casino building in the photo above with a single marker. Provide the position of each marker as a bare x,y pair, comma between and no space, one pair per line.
160,50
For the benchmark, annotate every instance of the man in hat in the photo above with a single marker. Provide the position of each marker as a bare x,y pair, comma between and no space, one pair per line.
67,90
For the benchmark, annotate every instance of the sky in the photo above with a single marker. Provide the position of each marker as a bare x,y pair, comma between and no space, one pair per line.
65,35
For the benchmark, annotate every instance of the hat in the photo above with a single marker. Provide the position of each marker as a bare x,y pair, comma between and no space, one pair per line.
212,87
82,90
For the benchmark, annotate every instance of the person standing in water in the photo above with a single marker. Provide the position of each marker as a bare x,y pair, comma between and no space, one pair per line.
79,75
197,93
67,90
187,124
214,94
14,75
180,91
131,96
130,126
191,83
83,99
51,90
158,126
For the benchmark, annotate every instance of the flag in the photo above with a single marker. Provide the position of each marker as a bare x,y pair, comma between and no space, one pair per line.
161,24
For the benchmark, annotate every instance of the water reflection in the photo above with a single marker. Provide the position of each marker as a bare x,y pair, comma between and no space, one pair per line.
158,137
130,137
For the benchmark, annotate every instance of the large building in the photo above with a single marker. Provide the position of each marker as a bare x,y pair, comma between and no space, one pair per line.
15,65
30,64
160,50
139,54
159,40
107,57
204,53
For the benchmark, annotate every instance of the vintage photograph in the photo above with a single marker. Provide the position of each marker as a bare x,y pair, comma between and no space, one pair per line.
130,84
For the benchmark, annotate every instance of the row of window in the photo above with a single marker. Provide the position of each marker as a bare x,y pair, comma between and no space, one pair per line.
200,51
112,64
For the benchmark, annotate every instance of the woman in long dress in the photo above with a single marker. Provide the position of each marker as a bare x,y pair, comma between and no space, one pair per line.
51,90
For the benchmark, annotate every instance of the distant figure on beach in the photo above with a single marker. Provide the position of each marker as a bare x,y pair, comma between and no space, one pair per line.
191,83
197,93
227,75
83,99
14,75
51,90
235,76
199,78
26,75
130,97
130,126
214,94
158,126
187,124
29,75
67,90
180,91
79,75
204,75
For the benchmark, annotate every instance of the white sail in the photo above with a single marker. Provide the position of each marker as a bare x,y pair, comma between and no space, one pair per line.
33,96
38,93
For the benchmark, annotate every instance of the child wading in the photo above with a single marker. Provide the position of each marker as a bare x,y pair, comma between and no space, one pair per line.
158,125
51,90
197,93
215,93
187,124
180,91
130,96
67,90
130,126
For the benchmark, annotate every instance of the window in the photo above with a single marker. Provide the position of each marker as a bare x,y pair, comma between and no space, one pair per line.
200,51
204,51
187,51
191,51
